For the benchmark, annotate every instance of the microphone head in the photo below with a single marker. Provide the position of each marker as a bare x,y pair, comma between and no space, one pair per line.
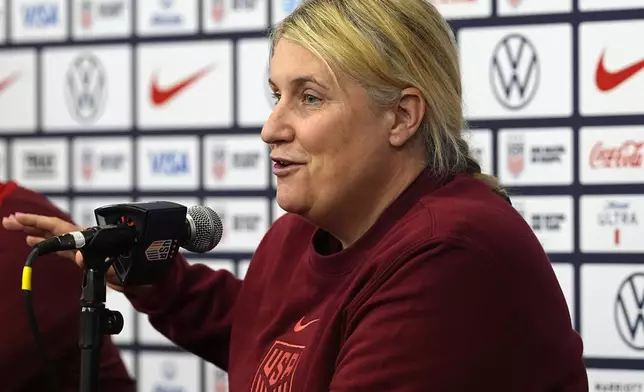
208,229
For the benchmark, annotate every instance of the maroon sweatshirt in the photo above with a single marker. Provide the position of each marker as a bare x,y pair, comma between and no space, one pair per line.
449,291
56,290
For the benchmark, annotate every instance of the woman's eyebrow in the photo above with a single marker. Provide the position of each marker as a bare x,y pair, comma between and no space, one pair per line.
300,80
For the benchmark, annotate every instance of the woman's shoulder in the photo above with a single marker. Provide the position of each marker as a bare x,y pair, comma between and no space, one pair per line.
467,208
455,233
469,213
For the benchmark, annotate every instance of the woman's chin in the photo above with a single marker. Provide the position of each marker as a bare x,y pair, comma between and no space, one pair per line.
287,205
290,202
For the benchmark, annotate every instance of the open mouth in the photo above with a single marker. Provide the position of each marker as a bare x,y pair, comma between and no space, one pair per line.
280,164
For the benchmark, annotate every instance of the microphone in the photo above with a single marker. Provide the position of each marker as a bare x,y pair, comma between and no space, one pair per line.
202,232
142,239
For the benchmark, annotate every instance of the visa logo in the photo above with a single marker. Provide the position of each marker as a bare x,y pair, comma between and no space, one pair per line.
41,15
169,163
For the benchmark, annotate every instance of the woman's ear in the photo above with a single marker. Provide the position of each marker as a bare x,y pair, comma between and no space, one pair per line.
409,113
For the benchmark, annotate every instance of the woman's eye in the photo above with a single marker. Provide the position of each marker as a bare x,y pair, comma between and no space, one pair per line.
311,99
276,97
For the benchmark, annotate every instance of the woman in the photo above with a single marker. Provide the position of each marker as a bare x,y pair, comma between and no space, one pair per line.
399,267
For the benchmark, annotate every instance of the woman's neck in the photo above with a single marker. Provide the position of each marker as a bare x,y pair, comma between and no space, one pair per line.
361,214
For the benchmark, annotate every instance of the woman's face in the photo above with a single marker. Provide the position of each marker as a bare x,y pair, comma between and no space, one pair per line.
329,149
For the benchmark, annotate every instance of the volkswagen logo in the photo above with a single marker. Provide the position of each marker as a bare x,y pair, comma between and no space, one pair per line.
514,71
629,311
86,88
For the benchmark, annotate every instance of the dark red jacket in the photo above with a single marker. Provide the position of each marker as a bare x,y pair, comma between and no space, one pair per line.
56,288
450,291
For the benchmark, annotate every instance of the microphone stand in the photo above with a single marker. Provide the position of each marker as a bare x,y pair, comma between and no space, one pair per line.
95,319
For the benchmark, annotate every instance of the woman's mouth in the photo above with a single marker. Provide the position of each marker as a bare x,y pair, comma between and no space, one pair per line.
283,167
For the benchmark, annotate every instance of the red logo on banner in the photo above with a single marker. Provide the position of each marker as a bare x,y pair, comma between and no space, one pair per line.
217,10
607,80
219,162
87,164
86,14
8,81
516,159
161,95
628,154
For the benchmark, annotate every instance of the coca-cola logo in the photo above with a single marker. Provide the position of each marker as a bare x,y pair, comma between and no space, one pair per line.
628,154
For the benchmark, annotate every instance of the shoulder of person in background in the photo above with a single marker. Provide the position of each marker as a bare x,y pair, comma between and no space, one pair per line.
56,287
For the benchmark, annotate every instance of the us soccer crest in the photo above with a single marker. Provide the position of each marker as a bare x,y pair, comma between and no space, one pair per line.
516,158
217,9
86,14
219,162
277,370
87,164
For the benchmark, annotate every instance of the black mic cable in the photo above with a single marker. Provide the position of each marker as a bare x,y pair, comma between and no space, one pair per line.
31,316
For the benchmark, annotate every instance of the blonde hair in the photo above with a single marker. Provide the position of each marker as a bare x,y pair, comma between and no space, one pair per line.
387,46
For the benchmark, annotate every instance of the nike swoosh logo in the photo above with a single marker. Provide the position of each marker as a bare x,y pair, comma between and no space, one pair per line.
8,81
608,80
299,326
160,96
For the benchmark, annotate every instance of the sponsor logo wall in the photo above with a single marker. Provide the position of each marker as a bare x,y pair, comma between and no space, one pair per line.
109,101
553,90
